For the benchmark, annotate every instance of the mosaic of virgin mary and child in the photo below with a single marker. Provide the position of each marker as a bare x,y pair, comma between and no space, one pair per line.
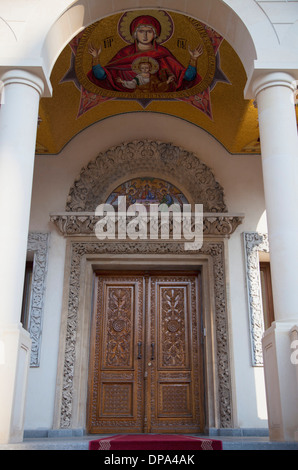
145,65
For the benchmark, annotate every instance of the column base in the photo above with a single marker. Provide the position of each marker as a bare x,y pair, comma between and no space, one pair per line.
15,348
281,382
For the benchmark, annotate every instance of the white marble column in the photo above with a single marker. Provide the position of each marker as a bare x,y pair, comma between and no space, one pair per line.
18,126
279,148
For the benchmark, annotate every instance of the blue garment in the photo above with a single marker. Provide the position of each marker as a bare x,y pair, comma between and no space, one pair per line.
100,74
190,73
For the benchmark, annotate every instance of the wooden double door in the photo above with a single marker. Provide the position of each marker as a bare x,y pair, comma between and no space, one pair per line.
145,372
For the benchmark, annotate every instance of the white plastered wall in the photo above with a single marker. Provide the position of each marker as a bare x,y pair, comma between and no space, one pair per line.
241,178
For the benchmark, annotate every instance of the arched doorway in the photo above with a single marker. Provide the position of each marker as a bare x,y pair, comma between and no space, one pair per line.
87,255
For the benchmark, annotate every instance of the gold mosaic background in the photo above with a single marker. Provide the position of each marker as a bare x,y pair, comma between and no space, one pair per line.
233,121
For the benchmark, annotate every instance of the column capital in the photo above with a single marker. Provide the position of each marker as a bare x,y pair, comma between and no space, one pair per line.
273,79
23,77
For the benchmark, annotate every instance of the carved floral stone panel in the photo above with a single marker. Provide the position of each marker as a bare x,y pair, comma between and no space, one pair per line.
38,244
253,243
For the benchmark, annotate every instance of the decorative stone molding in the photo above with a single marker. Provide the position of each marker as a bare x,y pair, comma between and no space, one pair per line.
83,223
253,243
37,243
95,183
80,250
145,158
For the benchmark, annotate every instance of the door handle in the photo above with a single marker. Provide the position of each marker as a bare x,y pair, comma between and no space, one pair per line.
152,351
140,350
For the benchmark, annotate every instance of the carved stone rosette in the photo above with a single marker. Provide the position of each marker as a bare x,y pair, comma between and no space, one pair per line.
253,243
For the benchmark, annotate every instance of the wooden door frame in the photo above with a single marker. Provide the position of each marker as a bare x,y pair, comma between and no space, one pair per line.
150,278
83,258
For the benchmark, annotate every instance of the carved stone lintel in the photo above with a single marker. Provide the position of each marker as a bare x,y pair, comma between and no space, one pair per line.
83,223
253,243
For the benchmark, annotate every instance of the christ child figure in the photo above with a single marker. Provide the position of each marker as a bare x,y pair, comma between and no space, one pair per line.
146,79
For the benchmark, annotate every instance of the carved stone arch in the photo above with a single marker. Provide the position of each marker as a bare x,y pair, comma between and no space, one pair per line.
145,158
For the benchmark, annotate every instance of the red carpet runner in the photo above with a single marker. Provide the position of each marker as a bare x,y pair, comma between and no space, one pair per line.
154,442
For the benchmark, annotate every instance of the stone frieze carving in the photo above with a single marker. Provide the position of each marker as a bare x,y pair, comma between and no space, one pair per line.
253,243
212,249
145,158
72,224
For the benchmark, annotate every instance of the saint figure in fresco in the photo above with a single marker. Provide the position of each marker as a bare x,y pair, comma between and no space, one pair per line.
166,73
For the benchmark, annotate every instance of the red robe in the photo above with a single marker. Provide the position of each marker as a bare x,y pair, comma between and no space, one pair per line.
120,66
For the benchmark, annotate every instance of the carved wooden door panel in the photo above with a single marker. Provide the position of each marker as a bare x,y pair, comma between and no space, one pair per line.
116,370
175,379
145,362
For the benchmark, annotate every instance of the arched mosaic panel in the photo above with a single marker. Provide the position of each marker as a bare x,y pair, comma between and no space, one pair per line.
145,158
148,191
